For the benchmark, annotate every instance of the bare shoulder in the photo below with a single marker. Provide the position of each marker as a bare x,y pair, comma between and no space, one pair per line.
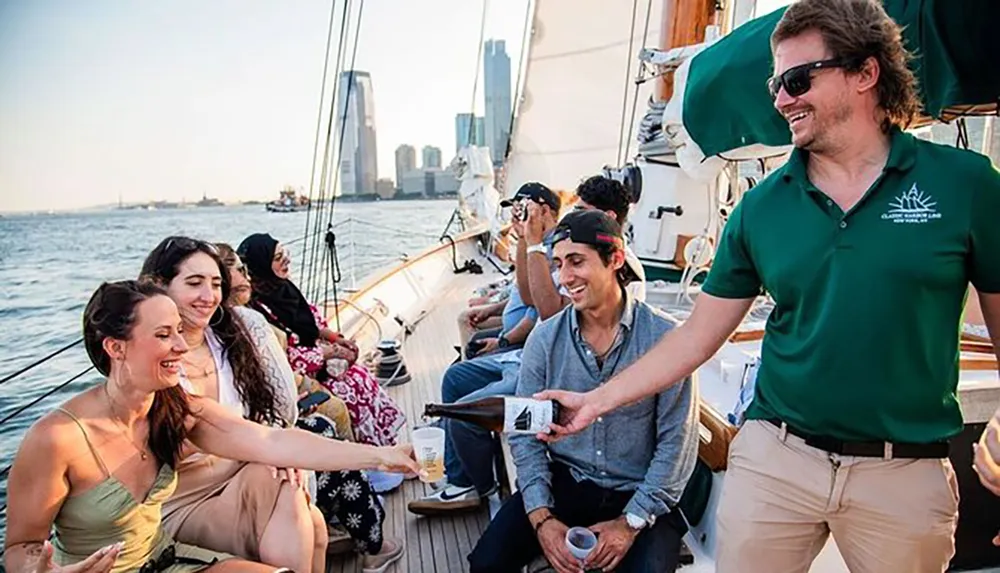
52,439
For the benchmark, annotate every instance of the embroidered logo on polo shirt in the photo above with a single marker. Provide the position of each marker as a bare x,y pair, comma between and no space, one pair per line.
913,206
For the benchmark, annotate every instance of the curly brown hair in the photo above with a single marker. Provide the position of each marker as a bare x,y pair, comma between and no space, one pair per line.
855,30
162,265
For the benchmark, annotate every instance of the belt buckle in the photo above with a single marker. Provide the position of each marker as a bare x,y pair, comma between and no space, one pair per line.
887,451
783,431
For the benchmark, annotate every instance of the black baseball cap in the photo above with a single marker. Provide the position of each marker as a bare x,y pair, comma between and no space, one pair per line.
535,192
593,227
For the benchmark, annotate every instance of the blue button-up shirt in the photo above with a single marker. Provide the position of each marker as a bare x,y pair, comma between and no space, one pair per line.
649,447
515,310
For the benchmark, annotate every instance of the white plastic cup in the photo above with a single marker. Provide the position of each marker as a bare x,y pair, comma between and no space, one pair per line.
428,448
580,541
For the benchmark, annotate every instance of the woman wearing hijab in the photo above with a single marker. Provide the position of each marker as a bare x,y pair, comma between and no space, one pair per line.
313,348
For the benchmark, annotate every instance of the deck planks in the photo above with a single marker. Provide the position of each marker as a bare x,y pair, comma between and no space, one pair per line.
438,543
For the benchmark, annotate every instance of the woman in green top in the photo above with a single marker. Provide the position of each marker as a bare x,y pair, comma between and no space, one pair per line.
97,470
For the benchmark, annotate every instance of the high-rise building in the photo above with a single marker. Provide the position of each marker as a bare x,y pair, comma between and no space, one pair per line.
356,116
496,87
385,188
469,130
431,157
406,161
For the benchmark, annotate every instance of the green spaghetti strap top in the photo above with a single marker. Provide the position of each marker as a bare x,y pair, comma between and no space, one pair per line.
109,513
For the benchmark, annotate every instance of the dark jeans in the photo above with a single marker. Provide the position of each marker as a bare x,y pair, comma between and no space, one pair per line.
466,382
509,542
476,337
474,343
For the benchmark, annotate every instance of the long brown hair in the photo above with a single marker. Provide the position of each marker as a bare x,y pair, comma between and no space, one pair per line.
251,382
855,30
111,313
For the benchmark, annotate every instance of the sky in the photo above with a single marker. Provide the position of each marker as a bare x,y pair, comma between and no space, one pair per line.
169,100
147,100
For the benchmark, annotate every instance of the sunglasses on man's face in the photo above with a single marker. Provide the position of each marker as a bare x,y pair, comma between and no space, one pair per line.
798,80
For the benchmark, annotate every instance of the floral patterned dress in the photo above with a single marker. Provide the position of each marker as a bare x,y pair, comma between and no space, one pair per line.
375,417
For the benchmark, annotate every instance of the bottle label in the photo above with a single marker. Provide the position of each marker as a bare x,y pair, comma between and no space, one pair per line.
526,416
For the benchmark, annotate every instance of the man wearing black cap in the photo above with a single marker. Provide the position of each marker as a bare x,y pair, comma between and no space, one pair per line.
621,477
538,207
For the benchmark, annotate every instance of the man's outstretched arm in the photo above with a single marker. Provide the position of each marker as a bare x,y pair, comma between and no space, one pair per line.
679,353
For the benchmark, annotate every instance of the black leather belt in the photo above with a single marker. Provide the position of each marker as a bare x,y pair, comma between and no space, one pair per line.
885,450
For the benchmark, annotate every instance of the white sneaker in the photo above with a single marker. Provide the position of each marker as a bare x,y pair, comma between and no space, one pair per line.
446,500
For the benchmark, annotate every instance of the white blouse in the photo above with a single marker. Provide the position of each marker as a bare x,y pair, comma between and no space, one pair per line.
276,368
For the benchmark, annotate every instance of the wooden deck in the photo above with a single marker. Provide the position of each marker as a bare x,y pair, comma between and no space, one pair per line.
438,544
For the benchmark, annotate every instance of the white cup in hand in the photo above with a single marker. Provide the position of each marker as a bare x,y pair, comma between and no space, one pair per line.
580,541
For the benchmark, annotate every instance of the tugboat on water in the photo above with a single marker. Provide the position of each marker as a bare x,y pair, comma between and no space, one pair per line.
288,202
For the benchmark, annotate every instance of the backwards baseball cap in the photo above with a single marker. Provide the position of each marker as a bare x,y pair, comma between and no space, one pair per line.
535,192
593,227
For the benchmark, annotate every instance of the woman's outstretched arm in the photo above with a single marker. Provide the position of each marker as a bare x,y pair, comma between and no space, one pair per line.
218,431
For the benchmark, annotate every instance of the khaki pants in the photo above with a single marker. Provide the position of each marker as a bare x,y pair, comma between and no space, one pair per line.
781,499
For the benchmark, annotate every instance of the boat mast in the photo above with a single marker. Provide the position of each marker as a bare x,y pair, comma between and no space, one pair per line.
684,24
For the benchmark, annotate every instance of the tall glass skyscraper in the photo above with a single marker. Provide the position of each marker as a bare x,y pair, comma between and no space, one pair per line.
469,130
496,86
356,116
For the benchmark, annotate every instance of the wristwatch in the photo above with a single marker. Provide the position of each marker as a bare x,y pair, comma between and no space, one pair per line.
502,341
634,521
537,248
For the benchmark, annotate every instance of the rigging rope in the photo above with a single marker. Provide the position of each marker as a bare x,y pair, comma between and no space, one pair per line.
520,78
319,123
635,94
624,142
13,375
333,265
308,281
400,232
51,391
475,80
628,76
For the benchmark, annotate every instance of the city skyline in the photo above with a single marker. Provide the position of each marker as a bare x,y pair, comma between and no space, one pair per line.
110,99
149,101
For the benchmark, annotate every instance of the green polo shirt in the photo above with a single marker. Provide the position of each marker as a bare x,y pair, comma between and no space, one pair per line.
863,341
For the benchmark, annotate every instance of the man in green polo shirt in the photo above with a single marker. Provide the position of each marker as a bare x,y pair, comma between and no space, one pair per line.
867,240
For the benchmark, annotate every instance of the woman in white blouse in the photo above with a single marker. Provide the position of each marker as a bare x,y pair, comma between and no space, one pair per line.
221,504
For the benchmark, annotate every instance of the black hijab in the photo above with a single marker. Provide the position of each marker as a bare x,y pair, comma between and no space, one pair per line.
281,296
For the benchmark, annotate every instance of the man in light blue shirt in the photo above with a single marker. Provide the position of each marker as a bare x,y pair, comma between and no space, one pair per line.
622,477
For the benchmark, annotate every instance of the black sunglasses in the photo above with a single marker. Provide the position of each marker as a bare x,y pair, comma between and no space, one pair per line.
189,244
798,80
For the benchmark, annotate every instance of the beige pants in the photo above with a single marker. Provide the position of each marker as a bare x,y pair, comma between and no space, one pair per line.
781,499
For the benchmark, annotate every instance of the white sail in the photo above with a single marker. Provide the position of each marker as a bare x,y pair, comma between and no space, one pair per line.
477,198
568,122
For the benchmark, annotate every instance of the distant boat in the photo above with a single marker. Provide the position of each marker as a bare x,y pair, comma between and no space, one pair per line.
288,202
207,201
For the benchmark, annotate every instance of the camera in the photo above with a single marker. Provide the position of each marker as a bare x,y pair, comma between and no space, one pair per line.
522,210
